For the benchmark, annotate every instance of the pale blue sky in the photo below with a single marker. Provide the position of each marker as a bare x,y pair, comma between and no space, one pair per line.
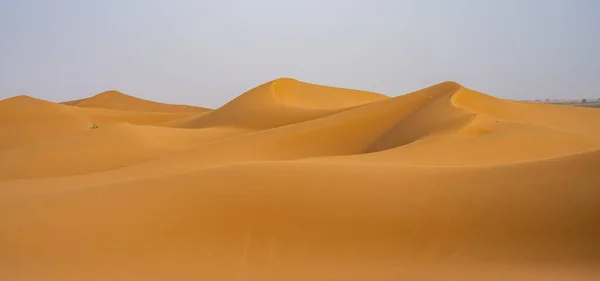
208,52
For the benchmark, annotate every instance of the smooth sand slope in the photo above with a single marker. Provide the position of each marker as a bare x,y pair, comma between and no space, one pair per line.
296,181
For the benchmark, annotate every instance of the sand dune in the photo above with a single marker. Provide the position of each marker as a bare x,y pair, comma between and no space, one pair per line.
25,120
297,181
117,100
278,103
115,146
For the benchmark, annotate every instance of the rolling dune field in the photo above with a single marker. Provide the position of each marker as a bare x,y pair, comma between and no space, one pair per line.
297,181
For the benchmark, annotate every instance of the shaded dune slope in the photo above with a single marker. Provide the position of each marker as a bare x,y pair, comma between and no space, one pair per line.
296,181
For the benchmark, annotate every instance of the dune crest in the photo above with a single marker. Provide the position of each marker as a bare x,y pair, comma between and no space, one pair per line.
298,181
282,102
292,92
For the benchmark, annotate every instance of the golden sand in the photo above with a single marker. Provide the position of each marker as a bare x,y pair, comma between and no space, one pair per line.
117,100
296,181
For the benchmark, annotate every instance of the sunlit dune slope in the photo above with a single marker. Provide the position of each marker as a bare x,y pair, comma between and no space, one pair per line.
426,127
294,93
420,128
297,181
567,118
471,128
25,120
117,100
115,146
351,131
73,102
281,102
272,218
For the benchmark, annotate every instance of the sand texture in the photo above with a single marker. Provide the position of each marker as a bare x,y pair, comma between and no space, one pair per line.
297,181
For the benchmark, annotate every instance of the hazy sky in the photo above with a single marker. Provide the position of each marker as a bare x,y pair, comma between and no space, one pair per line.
208,52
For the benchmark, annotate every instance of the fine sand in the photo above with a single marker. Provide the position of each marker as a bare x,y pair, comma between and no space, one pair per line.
296,181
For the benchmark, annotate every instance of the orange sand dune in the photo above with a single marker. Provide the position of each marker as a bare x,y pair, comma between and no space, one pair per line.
116,145
297,181
117,100
282,102
25,120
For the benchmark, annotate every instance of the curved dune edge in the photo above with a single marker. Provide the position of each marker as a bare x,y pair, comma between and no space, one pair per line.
279,103
298,181
294,93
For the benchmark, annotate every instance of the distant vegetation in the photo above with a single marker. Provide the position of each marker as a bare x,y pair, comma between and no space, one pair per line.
583,102
95,126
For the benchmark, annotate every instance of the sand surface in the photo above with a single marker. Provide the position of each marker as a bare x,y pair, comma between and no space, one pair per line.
296,181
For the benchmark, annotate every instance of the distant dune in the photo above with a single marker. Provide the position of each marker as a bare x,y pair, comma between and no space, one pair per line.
117,100
297,181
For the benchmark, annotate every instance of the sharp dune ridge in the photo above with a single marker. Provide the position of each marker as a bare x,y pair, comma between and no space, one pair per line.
299,181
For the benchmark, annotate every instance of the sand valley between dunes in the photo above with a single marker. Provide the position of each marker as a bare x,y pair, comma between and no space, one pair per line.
297,181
